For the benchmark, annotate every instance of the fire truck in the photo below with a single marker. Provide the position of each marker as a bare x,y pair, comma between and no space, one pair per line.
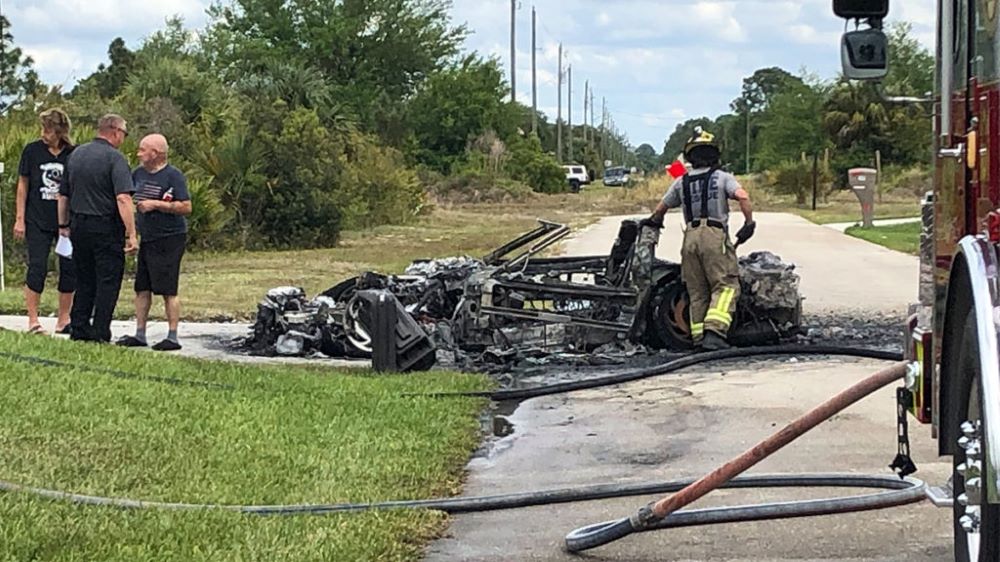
953,330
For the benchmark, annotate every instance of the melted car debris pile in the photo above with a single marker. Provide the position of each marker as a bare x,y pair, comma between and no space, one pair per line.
513,309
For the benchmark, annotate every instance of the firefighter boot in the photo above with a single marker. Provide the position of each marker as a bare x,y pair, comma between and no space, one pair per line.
714,342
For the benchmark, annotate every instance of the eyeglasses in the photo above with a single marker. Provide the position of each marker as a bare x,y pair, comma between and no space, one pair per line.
123,131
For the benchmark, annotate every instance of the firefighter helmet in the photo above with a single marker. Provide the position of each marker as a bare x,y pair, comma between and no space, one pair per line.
701,147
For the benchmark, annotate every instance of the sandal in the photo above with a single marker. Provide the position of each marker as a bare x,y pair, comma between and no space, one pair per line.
130,341
37,329
167,345
65,330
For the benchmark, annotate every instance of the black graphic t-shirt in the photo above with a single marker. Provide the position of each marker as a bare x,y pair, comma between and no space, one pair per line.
168,184
45,176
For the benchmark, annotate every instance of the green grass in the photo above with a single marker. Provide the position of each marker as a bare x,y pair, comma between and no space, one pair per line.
280,435
900,237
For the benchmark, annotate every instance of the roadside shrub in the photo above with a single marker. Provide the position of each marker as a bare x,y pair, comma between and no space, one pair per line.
375,185
209,217
299,205
530,165
911,180
478,188
796,178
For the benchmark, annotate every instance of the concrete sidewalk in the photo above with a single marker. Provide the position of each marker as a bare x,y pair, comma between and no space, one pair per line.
200,340
839,274
842,226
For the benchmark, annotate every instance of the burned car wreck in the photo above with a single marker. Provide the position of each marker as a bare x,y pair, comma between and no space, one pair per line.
514,299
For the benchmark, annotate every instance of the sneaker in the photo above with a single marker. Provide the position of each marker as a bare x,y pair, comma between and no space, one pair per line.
714,342
130,341
167,345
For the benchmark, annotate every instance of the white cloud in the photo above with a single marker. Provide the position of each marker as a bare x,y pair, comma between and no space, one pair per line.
603,19
62,66
805,34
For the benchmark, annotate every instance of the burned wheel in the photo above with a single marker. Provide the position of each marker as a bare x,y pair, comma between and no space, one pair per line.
358,337
976,523
668,325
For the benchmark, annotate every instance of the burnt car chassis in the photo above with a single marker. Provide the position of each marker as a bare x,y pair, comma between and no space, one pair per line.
512,298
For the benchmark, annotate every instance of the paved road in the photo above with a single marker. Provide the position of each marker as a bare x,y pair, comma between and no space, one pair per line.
838,273
684,425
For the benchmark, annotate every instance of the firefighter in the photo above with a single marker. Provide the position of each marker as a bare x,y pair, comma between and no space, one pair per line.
708,258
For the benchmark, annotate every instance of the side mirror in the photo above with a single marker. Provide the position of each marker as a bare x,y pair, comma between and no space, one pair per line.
860,9
864,54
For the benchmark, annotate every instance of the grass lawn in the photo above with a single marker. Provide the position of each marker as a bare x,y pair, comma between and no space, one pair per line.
279,435
900,237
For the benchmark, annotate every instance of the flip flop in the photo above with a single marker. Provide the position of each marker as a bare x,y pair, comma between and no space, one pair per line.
37,329
130,341
66,330
167,345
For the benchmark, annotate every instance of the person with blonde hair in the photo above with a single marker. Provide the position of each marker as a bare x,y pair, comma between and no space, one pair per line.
40,176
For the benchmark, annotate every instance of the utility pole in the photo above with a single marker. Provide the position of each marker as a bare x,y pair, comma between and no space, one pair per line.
569,110
591,117
559,136
815,177
747,109
513,51
534,78
604,129
586,94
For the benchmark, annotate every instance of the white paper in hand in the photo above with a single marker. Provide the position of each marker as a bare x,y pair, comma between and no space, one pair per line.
64,247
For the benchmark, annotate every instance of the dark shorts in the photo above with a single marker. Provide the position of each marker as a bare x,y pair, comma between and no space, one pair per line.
159,267
39,243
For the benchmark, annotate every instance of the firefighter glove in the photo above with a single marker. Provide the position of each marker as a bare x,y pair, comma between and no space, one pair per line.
653,221
746,232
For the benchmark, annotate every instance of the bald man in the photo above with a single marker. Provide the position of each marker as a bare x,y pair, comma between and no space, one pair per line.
163,202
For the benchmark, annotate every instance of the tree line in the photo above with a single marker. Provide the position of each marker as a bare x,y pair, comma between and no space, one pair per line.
779,117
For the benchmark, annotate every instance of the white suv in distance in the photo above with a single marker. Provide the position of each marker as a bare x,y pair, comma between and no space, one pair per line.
576,176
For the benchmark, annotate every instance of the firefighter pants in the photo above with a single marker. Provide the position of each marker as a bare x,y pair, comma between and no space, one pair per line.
711,273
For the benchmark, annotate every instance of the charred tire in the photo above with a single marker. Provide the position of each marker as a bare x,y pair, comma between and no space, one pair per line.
669,324
574,186
983,543
344,292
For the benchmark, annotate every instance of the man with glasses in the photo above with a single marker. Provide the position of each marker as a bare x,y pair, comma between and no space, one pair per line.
95,211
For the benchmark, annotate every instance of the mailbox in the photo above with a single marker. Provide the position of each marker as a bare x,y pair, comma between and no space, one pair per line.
864,182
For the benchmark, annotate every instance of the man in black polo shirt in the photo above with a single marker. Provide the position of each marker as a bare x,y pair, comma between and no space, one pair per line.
95,211
162,198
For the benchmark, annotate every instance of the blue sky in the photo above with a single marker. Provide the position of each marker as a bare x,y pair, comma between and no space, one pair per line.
657,62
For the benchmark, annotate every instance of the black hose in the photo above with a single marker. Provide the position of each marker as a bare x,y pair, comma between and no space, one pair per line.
902,492
675,365
113,372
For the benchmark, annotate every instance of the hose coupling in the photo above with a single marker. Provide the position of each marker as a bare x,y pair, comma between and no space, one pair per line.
913,369
644,518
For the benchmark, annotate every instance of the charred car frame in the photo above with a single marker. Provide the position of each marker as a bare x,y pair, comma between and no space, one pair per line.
514,297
